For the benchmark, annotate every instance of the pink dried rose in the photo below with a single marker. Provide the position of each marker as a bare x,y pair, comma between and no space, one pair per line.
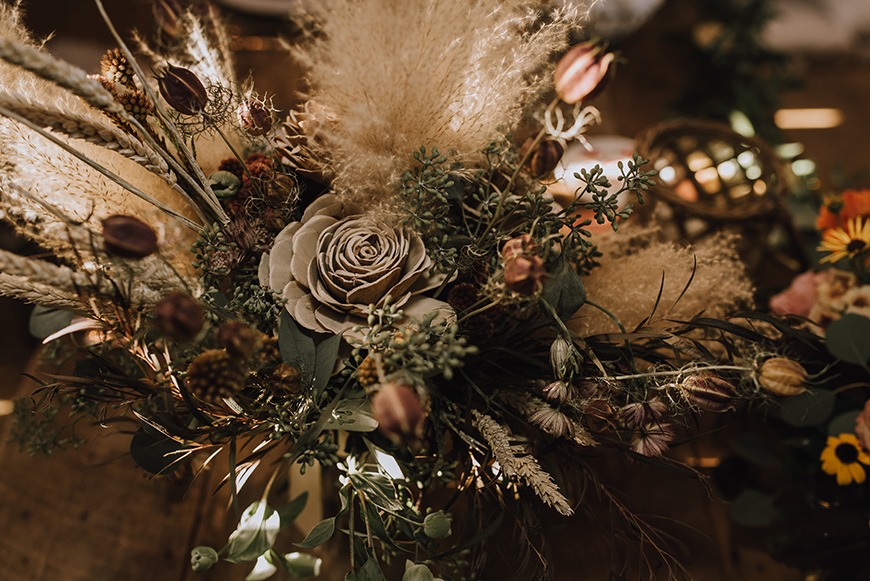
862,426
799,297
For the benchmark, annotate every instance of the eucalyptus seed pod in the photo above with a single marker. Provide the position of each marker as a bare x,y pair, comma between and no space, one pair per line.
128,237
179,317
544,159
583,72
183,90
782,376
524,275
399,412
254,117
215,375
239,340
709,392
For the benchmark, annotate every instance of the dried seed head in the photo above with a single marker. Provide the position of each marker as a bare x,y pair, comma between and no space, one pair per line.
558,392
599,415
583,72
116,68
399,412
179,317
137,104
128,237
183,90
239,340
709,392
782,376
255,117
637,414
166,15
563,357
553,421
215,375
519,246
288,378
543,159
524,275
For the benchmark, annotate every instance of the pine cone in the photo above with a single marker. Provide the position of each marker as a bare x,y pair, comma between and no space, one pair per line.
215,375
117,69
463,296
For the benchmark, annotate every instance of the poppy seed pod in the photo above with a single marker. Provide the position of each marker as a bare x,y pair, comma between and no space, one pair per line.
524,275
436,525
708,392
782,376
183,90
179,317
128,237
583,72
543,159
399,412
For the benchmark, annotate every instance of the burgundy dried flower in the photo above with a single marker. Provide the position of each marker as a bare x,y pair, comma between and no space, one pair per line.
183,90
179,317
583,72
652,439
128,237
254,117
399,412
553,421
558,392
524,275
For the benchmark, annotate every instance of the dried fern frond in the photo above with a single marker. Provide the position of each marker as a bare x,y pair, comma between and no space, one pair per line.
523,466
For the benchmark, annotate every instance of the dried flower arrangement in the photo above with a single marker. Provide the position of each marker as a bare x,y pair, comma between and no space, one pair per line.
430,324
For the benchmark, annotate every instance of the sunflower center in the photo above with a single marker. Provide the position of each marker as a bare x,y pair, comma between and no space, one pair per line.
856,245
846,453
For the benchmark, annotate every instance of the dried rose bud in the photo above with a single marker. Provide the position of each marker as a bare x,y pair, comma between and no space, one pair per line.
543,159
183,90
179,317
128,237
524,275
166,14
254,117
709,392
239,340
399,412
782,376
583,72
288,378
436,525
519,246
558,392
599,415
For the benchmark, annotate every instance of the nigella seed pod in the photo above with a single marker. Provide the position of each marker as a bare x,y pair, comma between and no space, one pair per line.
544,159
399,412
782,376
709,392
583,72
179,317
254,117
183,90
524,275
128,237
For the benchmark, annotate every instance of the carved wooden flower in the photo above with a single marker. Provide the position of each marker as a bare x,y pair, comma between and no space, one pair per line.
336,261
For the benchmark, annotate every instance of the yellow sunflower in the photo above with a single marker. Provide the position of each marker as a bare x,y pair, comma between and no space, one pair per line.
843,456
855,239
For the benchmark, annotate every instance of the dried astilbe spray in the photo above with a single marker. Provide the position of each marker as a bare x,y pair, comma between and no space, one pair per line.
396,76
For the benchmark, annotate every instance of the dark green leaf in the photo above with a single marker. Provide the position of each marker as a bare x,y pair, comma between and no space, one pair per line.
755,448
370,571
564,290
321,533
376,525
810,408
155,452
843,423
45,321
292,509
848,338
378,489
753,509
297,348
255,534
326,354
353,415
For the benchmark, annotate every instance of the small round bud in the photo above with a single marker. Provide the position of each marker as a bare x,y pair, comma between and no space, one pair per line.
583,72
303,565
558,392
179,317
524,275
544,159
128,237
709,392
782,376
255,117
399,412
202,558
183,90
437,525
239,340
288,377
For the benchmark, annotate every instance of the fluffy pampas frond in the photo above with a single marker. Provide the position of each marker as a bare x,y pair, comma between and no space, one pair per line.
401,75
630,276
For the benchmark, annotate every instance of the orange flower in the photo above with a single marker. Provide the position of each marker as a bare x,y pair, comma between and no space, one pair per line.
838,210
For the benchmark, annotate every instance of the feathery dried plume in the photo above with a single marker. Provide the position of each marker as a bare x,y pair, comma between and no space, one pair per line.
398,76
523,467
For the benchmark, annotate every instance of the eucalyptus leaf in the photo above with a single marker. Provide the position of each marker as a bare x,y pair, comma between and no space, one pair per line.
297,348
255,534
809,408
376,524
564,290
370,571
224,184
847,339
155,452
843,423
755,448
292,509
321,533
753,508
417,573
378,489
353,415
263,568
325,356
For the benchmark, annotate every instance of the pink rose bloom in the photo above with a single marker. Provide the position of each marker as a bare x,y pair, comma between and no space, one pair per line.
862,426
799,298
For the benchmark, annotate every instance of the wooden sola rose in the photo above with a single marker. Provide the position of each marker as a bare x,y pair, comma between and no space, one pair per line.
336,261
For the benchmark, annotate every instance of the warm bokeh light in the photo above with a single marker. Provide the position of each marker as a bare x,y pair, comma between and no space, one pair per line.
819,118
